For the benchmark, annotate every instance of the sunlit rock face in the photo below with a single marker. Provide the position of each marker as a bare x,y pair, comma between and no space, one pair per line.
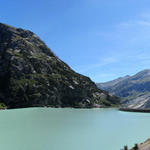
133,90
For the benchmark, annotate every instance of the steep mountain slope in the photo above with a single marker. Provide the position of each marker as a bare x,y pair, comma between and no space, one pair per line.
106,85
32,75
134,90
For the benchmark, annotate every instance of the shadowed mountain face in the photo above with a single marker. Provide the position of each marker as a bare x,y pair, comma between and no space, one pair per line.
134,90
32,75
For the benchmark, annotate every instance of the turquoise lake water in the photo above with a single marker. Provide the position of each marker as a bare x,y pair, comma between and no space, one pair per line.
71,129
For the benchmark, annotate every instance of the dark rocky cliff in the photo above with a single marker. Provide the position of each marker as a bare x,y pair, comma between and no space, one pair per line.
32,75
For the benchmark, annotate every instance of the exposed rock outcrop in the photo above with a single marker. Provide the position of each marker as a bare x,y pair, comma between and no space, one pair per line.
32,75
134,90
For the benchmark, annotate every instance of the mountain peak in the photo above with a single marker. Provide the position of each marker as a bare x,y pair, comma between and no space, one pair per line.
6,28
2,25
19,39
145,71
134,90
32,75
142,75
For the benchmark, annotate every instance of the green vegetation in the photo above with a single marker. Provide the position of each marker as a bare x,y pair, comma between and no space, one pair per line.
3,106
41,56
33,76
17,54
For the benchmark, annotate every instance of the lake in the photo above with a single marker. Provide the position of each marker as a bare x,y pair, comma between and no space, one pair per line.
71,129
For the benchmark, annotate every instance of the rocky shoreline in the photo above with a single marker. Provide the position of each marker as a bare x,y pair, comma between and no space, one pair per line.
142,146
135,110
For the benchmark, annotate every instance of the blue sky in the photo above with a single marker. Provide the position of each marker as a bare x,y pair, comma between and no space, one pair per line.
102,39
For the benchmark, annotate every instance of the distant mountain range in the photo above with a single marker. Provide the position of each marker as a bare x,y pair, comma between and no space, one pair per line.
105,85
134,90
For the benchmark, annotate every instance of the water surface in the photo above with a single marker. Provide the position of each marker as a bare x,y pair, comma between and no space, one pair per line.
71,129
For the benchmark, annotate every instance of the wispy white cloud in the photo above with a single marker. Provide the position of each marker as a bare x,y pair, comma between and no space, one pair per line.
144,23
125,25
130,33
130,43
104,75
145,15
101,63
142,58
133,24
136,28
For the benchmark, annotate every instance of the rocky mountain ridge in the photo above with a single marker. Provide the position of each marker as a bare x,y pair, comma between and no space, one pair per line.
134,90
32,75
106,85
